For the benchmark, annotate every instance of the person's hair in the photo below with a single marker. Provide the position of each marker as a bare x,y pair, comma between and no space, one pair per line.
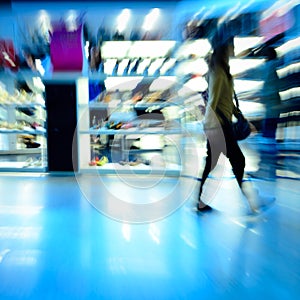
219,58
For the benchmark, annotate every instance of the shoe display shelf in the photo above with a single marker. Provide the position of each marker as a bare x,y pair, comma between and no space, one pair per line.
22,130
120,133
126,142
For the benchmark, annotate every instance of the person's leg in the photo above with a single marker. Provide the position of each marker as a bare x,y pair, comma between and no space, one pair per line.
270,127
210,164
207,168
236,158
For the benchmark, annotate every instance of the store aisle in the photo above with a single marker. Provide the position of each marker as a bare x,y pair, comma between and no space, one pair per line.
55,244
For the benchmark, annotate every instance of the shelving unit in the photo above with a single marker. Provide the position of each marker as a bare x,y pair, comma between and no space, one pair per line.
130,68
23,136
117,149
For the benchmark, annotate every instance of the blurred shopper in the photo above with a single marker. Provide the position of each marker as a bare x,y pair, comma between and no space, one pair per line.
272,102
219,112
270,96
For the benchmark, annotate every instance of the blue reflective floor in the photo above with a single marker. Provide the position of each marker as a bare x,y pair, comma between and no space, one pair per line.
57,243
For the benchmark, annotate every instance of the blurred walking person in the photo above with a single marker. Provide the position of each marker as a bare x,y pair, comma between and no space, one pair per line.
219,112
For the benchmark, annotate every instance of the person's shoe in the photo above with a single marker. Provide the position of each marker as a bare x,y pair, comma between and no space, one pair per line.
202,207
251,196
205,208
257,202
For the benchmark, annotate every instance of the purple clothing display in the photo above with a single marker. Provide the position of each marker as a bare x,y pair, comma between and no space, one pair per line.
66,50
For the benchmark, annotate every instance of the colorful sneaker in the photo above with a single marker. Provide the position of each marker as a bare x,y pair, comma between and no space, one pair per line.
102,161
92,163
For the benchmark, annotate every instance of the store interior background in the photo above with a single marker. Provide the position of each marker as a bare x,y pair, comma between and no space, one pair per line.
137,235
27,22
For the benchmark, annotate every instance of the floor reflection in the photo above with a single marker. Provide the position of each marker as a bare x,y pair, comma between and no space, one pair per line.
54,244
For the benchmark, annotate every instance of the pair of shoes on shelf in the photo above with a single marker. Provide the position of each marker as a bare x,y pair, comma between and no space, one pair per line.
33,145
102,161
98,161
135,162
94,161
30,162
130,163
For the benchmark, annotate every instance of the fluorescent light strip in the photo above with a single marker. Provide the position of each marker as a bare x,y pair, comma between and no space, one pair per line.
241,65
199,48
289,70
288,46
115,49
150,49
247,85
244,43
290,93
122,83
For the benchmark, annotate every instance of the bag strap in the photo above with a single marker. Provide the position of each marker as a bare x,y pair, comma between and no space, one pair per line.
236,99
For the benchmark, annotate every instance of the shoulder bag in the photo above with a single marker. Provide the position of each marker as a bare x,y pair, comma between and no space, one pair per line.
241,128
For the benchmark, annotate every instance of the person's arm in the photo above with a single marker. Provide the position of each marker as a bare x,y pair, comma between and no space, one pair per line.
215,91
211,120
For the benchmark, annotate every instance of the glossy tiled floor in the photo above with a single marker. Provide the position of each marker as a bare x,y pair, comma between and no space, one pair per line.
64,238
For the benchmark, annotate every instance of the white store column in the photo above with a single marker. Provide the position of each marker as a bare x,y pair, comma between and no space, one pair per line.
83,122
